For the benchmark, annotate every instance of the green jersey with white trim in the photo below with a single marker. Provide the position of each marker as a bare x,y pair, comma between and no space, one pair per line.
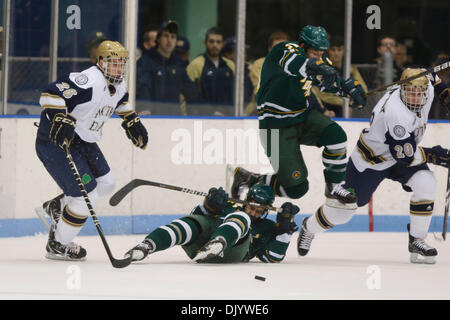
284,87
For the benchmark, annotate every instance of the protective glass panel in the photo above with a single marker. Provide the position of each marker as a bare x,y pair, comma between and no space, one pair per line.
29,56
82,27
183,74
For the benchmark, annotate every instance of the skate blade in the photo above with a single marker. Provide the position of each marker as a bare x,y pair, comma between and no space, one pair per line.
43,216
419,259
53,256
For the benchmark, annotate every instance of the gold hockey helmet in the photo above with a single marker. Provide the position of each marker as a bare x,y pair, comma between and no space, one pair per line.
111,59
414,93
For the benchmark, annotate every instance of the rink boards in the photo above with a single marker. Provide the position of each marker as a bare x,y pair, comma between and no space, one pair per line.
189,152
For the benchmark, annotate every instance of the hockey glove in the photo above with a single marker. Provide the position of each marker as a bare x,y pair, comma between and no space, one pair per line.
216,201
135,130
285,218
438,156
329,75
62,129
354,89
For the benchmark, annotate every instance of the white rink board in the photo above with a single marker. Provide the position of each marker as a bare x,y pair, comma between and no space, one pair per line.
25,184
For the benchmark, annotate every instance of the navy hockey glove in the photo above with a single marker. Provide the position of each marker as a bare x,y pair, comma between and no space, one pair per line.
329,75
285,218
62,129
438,156
216,200
135,130
354,89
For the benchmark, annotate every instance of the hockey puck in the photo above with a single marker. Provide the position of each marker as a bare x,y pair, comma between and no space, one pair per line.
260,278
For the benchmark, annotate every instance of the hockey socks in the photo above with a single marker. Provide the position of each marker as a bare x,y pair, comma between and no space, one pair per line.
68,226
327,217
178,232
235,227
420,213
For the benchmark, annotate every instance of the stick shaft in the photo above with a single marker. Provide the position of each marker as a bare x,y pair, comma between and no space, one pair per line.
438,68
130,186
116,263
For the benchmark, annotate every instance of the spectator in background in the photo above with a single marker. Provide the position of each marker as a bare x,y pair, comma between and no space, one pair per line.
256,66
437,111
229,52
183,49
386,49
213,74
161,75
330,103
149,38
92,45
400,56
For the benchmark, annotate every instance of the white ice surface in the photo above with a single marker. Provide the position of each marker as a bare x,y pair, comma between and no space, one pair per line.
337,267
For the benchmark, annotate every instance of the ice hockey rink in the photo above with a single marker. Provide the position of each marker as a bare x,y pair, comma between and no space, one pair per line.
340,265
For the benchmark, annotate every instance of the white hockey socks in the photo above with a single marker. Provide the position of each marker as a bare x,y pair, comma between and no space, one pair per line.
327,217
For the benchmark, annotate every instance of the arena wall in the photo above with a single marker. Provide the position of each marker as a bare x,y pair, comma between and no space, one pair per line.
191,152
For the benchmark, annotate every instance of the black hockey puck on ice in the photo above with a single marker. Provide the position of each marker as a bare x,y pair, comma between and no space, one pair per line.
260,278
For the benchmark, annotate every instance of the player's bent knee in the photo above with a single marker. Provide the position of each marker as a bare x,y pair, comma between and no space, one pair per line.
423,184
337,216
297,191
333,136
106,184
78,206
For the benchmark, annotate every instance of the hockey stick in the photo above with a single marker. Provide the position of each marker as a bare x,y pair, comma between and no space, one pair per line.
447,204
115,262
438,68
133,184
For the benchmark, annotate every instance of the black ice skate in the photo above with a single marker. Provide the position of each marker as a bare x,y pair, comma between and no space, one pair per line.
211,249
337,196
242,178
304,239
50,209
418,247
141,251
59,251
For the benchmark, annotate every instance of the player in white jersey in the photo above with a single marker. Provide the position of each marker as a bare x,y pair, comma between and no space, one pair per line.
74,112
390,149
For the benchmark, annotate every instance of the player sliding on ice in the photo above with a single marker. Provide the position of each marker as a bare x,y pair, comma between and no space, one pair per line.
288,72
75,110
219,232
389,149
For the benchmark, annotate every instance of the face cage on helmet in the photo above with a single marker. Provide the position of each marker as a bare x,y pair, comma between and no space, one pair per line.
112,64
414,97
252,206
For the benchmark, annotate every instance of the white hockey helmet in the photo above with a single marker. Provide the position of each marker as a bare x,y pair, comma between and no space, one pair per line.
414,93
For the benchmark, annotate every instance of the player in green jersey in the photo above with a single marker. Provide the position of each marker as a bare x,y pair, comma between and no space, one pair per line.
284,116
218,231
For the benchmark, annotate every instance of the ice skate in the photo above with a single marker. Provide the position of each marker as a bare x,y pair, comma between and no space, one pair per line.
211,249
59,251
420,251
339,197
304,239
50,209
141,251
242,178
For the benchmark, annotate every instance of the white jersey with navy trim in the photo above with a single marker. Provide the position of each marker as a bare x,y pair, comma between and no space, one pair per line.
86,96
393,135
